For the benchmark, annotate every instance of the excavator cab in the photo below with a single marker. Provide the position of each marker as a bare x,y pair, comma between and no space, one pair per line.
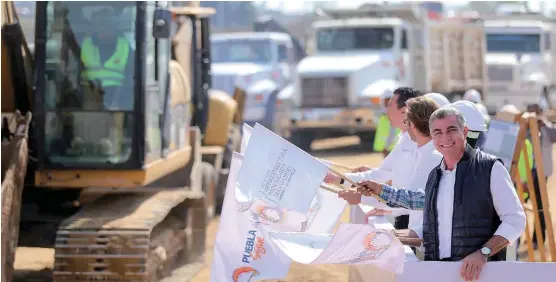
110,110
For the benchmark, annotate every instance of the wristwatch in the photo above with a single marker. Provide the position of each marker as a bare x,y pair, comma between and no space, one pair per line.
485,251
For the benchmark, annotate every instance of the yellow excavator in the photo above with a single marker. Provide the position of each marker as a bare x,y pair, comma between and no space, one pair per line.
128,140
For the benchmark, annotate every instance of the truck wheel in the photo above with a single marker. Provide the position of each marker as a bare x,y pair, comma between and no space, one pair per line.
302,139
209,187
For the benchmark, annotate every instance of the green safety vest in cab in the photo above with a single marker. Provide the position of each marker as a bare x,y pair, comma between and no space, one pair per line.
382,133
112,72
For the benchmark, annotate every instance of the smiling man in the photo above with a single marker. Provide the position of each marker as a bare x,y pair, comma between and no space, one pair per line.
471,210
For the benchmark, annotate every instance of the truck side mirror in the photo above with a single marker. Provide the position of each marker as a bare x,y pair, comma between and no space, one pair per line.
162,22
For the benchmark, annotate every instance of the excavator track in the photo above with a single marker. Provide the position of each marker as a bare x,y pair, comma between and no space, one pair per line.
131,237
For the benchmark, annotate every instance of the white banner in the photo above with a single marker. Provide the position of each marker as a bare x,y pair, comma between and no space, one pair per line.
243,251
352,244
491,272
246,134
450,272
325,212
278,172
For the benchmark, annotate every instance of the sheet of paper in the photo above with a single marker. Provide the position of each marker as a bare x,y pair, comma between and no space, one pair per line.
246,134
325,212
278,172
500,140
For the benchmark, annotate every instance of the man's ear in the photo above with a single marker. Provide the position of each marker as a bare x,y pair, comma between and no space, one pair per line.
465,130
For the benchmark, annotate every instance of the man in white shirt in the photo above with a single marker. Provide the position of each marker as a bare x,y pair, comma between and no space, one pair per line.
426,158
399,164
471,209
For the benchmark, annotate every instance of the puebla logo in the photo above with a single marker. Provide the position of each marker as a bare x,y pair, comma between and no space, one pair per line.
244,274
254,250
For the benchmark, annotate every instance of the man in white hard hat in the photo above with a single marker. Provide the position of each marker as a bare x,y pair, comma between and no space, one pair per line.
440,99
475,97
475,120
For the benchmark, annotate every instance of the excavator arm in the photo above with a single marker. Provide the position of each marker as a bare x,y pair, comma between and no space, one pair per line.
17,66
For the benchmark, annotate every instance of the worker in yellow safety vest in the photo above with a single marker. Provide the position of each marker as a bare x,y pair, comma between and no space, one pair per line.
105,56
386,135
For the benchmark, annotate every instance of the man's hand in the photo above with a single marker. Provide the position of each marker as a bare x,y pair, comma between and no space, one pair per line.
332,178
377,212
408,237
369,187
361,169
472,266
352,197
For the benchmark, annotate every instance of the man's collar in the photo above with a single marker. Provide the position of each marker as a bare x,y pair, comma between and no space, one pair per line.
429,146
467,154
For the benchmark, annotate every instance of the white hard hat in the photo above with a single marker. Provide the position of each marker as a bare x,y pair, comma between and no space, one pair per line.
440,99
388,93
510,109
473,116
472,95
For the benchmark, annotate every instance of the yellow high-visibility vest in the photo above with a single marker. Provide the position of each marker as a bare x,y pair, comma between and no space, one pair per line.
112,72
382,133
521,161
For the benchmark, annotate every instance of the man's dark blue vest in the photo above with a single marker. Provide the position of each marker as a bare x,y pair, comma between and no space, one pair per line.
474,220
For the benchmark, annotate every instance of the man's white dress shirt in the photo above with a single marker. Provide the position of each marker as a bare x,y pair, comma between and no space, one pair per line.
398,166
505,200
426,159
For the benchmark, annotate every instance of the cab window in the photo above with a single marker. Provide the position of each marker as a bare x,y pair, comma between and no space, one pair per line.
404,40
282,53
88,81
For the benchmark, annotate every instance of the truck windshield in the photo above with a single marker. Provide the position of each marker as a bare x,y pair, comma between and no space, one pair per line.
513,43
358,38
88,81
241,51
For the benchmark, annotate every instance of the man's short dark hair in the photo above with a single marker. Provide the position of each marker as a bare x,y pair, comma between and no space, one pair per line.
404,94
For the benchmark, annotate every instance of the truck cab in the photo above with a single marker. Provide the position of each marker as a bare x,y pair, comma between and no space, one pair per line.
520,57
355,59
260,63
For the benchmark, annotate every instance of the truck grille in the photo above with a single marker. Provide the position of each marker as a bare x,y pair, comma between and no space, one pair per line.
225,83
500,73
324,92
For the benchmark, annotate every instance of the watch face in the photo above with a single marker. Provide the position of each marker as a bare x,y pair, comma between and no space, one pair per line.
485,251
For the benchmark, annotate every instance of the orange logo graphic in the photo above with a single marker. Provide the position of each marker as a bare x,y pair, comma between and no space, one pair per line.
375,244
244,274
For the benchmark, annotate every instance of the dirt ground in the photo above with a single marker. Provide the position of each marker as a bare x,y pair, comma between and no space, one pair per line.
347,151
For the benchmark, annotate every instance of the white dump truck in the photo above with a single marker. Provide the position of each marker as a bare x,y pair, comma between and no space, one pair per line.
521,51
262,63
359,54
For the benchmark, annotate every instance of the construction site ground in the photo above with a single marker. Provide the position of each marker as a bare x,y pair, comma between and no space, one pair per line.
35,264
